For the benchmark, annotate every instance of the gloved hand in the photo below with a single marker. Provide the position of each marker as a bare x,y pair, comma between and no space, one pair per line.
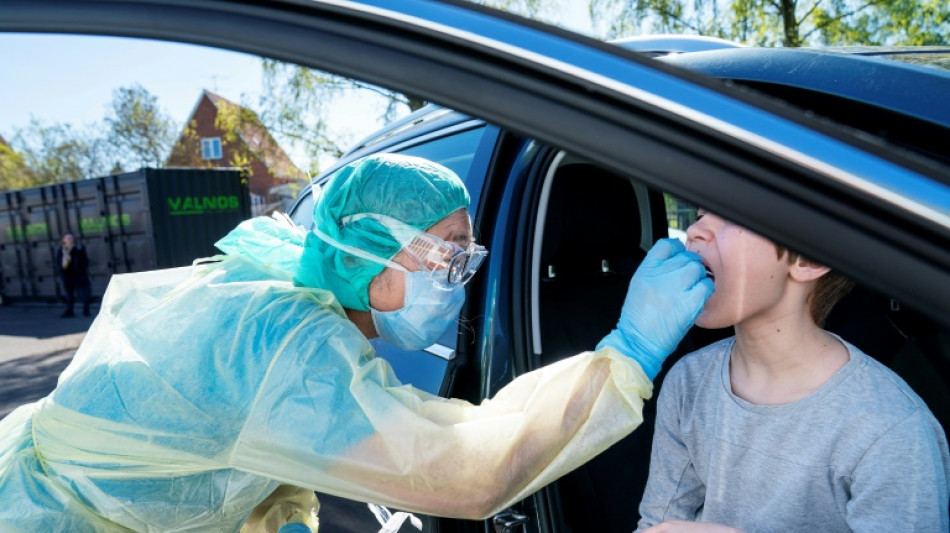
665,296
295,527
288,509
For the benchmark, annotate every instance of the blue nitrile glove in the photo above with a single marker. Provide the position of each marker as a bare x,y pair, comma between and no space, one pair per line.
665,296
294,527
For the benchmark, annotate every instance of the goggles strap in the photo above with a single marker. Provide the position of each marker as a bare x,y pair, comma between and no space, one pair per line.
317,193
356,251
402,232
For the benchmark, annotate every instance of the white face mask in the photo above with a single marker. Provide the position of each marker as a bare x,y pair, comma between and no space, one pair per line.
427,312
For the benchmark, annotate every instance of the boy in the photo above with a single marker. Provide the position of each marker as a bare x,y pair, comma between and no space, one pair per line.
786,427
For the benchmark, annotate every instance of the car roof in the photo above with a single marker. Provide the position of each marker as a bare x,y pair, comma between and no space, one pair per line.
910,81
926,56
673,44
872,76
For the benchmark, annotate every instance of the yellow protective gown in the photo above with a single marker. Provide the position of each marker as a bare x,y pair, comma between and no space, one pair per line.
197,391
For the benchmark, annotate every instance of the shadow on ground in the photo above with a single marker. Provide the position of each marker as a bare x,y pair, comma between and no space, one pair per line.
41,321
28,379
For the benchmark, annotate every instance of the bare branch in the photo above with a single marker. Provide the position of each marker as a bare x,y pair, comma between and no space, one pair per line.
401,98
810,11
819,27
681,20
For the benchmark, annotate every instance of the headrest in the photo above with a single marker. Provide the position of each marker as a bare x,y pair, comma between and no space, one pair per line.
592,218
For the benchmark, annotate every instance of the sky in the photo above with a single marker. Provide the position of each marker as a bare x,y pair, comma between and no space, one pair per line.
66,78
71,79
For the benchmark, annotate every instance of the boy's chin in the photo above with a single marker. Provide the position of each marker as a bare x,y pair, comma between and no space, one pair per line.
707,320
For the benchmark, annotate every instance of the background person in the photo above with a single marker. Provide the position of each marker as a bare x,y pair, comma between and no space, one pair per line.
72,263
199,391
786,427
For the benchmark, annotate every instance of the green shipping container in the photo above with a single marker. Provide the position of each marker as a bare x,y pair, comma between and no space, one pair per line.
143,220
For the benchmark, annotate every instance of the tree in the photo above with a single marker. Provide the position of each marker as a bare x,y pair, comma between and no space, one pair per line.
140,133
782,22
137,133
297,99
14,174
57,153
186,152
892,22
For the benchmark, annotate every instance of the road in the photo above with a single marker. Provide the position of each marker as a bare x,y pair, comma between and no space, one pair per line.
36,345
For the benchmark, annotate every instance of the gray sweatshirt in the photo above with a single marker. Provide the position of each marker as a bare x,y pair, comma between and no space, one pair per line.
861,453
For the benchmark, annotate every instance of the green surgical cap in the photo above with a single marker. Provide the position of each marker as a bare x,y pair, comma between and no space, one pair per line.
412,190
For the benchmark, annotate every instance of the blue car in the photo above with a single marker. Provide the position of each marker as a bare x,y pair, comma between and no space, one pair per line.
579,154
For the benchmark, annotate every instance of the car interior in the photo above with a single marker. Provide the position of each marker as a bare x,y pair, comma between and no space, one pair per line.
594,228
592,243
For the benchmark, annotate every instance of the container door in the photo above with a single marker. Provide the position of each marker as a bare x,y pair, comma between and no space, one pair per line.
81,208
13,251
191,209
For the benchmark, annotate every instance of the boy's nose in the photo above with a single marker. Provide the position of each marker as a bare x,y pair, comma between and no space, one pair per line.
695,232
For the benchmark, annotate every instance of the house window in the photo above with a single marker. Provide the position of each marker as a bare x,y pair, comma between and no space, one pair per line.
211,148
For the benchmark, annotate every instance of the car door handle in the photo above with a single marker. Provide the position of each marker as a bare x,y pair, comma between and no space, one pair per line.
508,520
441,351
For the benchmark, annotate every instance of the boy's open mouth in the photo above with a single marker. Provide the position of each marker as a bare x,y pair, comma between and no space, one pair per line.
709,272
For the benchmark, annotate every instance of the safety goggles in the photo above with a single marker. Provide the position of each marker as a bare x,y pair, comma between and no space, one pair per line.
447,263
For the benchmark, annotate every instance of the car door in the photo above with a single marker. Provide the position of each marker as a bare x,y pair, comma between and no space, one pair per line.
567,235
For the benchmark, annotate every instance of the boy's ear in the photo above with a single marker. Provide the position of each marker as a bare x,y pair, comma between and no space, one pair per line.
805,270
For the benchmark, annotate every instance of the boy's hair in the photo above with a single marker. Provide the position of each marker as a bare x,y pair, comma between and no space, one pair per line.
828,290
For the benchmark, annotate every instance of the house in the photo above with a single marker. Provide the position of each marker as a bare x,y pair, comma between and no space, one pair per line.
220,133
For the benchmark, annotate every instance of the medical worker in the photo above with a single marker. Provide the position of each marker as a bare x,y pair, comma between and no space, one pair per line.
199,391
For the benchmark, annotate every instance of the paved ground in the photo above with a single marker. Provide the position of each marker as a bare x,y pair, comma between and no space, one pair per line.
36,345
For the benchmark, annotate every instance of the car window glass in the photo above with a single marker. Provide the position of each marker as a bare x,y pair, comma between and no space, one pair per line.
680,214
454,151
419,367
302,214
422,369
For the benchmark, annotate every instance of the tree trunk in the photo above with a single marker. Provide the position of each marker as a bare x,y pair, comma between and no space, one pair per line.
789,23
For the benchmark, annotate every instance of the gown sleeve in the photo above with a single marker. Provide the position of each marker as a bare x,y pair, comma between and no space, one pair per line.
331,417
